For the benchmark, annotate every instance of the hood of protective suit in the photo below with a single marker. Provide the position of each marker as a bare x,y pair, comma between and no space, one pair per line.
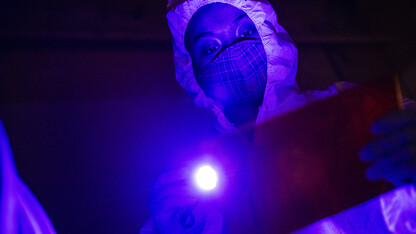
282,57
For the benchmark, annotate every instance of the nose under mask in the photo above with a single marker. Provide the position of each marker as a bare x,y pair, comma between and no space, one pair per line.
237,75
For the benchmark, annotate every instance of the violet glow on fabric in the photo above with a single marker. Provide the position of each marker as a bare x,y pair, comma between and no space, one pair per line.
20,212
392,212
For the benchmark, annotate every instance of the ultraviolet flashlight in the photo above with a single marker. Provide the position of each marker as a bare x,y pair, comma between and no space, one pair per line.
206,179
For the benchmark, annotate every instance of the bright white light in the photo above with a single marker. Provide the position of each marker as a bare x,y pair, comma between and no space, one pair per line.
206,178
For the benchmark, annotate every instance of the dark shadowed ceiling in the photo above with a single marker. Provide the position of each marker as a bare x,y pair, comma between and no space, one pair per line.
339,37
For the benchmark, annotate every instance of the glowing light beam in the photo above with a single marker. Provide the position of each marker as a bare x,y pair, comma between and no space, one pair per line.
206,178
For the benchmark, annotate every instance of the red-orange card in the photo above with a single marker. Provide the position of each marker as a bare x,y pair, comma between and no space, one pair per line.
307,164
303,166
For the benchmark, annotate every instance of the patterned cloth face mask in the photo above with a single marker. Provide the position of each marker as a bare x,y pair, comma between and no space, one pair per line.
237,74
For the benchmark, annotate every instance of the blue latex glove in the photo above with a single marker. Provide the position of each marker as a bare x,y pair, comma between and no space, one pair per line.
393,153
175,207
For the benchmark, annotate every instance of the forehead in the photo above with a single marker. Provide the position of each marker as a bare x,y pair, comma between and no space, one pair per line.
213,16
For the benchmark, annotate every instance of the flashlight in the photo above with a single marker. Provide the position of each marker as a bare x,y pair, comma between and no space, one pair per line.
206,178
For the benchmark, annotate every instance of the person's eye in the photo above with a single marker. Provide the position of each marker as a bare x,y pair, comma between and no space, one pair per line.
247,33
211,49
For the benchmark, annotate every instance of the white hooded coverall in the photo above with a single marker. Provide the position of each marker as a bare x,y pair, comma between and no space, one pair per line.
392,212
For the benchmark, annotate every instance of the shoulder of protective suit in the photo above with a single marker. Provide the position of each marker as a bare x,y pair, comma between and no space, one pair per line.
20,211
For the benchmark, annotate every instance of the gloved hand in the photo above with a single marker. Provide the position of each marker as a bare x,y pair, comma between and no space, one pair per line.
393,153
176,208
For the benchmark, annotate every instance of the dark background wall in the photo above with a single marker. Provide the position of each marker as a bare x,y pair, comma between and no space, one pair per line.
89,99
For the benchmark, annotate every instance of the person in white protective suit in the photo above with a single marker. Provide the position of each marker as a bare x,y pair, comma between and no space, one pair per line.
233,57
20,211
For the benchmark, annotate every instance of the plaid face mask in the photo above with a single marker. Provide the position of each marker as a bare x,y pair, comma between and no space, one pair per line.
237,74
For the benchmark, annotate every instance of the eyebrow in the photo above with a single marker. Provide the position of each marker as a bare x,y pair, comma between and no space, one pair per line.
208,33
239,18
201,35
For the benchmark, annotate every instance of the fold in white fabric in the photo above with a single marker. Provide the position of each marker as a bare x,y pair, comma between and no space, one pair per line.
20,211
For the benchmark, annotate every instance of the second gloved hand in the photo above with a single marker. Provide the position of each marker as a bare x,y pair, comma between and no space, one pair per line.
393,153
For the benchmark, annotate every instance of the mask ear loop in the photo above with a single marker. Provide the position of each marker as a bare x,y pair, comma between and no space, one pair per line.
237,40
